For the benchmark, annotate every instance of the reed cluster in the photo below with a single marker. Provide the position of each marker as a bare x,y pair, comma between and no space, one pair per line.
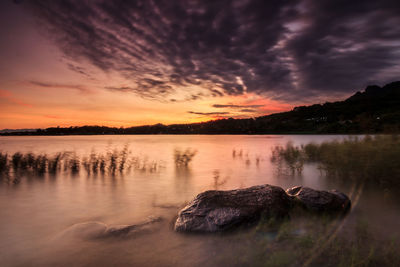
184,157
372,159
118,162
290,155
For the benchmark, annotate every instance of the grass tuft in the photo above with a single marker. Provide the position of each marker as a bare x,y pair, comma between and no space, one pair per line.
183,158
119,162
372,159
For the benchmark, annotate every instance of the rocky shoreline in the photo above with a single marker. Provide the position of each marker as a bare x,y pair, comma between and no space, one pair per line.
216,211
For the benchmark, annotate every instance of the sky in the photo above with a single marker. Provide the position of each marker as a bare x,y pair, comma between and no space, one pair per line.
126,63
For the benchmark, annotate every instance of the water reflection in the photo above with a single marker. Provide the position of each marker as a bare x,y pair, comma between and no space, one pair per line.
121,180
218,181
182,179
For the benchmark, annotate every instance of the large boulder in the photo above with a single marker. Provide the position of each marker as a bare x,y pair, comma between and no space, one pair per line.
318,201
213,211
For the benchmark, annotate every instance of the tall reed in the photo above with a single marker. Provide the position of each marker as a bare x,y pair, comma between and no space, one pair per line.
290,155
372,159
117,162
4,165
183,158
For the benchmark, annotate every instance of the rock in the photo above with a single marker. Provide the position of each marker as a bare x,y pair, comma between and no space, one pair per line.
213,211
331,202
133,229
94,230
86,230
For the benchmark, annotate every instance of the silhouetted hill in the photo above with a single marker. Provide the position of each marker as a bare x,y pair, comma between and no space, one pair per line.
375,110
17,130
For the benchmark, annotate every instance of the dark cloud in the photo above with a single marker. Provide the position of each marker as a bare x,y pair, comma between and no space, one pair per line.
236,106
208,113
240,108
148,89
79,70
80,88
287,49
347,44
248,110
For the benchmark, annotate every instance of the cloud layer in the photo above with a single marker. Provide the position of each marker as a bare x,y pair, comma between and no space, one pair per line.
288,49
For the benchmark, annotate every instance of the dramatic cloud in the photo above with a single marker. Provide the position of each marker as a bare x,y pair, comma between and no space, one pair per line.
208,113
255,109
80,88
78,69
236,106
345,45
248,110
147,88
288,49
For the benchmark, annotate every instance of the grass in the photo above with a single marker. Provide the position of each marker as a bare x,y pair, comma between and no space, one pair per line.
308,241
184,157
372,159
117,162
290,155
362,250
315,242
4,164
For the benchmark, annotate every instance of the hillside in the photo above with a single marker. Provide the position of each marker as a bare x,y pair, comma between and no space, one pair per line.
375,110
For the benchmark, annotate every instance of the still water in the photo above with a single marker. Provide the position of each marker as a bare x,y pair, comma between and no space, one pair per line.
36,213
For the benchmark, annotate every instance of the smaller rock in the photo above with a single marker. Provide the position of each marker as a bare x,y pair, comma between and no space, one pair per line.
85,230
95,230
319,201
133,229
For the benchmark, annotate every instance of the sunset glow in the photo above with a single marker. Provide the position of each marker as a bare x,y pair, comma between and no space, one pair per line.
60,68
199,133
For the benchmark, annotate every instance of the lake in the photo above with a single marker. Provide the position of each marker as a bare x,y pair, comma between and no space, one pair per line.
37,211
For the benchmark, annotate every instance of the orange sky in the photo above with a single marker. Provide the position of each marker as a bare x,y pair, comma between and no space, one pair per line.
42,87
30,106
38,89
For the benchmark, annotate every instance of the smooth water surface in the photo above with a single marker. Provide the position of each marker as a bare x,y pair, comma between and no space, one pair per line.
35,212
